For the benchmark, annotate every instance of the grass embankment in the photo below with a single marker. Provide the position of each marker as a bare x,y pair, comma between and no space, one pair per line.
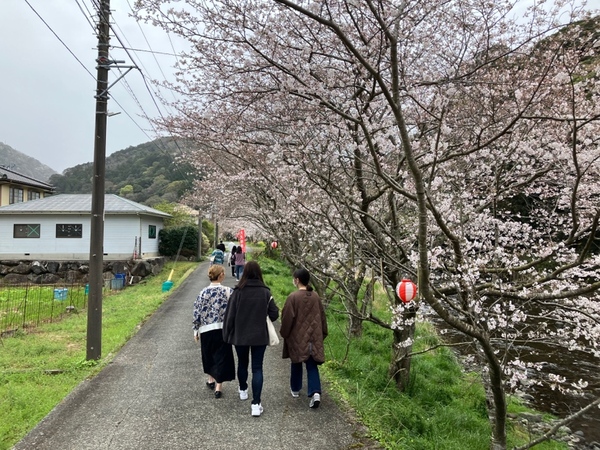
40,367
444,407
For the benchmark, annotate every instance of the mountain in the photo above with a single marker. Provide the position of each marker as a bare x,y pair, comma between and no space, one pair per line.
26,165
147,173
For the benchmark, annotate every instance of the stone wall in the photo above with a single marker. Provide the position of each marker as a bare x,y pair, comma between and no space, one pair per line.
75,272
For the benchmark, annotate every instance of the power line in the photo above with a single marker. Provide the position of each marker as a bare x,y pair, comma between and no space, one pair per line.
145,51
60,40
148,43
87,16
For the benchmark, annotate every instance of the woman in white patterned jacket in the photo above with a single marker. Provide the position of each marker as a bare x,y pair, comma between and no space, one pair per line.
209,310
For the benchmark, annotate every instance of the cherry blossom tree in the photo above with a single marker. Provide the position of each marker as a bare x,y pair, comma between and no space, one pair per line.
439,139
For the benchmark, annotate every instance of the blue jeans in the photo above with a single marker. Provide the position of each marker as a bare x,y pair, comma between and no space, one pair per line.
312,377
238,271
258,355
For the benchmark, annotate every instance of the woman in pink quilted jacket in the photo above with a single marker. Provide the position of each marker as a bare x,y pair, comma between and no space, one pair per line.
303,328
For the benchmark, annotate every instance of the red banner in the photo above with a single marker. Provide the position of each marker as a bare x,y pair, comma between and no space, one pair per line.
242,239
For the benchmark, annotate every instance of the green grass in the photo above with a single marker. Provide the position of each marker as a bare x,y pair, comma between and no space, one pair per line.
40,367
22,307
278,277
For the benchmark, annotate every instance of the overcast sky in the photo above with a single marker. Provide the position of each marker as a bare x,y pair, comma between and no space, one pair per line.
47,103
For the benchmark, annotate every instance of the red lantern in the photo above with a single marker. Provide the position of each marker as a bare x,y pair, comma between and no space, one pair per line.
406,290
274,245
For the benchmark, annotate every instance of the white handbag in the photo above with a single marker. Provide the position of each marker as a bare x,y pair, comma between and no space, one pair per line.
273,338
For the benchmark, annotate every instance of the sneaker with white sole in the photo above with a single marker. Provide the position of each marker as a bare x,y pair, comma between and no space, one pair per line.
315,401
243,394
295,394
257,410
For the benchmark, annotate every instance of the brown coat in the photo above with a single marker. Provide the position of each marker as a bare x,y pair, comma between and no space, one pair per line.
303,327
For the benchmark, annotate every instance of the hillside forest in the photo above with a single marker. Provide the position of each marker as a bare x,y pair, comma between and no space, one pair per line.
149,173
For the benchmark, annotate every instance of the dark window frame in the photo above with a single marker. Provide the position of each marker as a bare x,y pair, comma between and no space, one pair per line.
12,198
69,230
151,231
27,230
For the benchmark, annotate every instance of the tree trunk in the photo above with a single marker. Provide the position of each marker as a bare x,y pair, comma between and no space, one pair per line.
355,327
495,399
400,364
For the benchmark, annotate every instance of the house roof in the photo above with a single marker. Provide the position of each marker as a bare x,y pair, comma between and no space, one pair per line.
10,176
79,204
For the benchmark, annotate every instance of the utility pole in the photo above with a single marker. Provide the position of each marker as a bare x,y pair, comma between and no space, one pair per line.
94,323
216,232
199,234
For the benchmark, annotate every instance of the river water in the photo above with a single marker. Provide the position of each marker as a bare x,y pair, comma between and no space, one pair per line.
573,365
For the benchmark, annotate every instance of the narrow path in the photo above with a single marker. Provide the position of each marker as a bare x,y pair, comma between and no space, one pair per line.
152,396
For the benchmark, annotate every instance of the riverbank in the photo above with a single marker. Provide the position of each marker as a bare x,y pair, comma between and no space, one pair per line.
583,433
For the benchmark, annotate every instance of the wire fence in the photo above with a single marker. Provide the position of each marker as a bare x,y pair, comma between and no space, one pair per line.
25,306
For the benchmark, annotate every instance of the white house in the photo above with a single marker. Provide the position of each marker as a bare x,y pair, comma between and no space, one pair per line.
58,228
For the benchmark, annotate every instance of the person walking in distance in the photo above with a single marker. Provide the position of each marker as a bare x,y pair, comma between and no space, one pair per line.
303,328
232,260
209,312
245,327
240,261
217,256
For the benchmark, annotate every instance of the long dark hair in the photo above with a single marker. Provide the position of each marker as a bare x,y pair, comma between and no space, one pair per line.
251,272
304,278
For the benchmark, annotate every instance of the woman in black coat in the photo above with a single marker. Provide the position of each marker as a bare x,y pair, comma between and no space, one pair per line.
245,327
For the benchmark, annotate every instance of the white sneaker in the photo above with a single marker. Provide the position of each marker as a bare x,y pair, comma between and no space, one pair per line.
257,410
315,401
243,394
295,394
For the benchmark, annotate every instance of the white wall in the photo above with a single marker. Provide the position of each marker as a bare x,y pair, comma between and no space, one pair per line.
150,246
120,232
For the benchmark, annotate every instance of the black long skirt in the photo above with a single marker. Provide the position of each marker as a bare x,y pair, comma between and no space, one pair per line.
217,356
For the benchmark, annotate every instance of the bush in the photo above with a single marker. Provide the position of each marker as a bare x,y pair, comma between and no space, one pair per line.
170,240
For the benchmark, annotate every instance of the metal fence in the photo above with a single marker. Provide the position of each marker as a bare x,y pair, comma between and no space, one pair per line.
29,305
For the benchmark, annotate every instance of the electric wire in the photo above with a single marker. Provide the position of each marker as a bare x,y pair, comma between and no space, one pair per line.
150,47
60,40
140,61
141,50
87,16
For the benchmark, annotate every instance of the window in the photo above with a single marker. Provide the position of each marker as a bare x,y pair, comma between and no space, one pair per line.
26,230
32,195
15,195
151,231
69,230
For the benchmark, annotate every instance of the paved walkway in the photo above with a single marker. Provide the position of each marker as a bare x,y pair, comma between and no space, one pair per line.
152,396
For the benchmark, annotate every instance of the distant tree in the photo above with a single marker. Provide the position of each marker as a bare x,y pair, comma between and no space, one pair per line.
181,216
208,228
126,190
